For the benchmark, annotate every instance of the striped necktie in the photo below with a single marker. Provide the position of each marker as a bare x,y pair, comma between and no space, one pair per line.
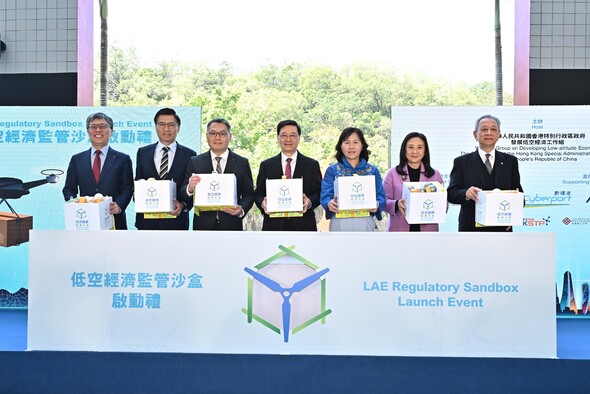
218,167
488,164
164,163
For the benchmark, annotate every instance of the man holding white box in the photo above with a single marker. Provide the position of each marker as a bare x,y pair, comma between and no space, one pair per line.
164,160
222,160
290,164
101,170
484,169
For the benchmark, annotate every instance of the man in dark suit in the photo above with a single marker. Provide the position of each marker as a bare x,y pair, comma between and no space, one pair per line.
290,161
101,169
221,159
165,160
484,169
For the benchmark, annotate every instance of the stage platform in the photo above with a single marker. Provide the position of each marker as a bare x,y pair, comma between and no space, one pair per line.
63,372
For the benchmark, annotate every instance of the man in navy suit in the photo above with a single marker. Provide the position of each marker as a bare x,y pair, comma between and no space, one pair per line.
218,138
101,169
288,137
165,160
484,169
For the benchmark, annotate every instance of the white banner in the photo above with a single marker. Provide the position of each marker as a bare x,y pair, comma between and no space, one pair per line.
474,295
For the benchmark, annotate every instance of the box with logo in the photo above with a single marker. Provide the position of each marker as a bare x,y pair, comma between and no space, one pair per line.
426,202
499,208
88,213
215,192
355,193
284,195
154,196
14,230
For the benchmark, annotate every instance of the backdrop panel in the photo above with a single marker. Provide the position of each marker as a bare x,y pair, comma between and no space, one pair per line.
33,139
315,293
552,144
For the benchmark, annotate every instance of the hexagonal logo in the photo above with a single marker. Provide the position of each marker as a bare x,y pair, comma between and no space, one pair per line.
152,192
428,204
504,206
214,186
284,191
81,214
357,187
286,293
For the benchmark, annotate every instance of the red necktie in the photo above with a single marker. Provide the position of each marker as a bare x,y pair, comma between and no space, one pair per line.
288,169
96,166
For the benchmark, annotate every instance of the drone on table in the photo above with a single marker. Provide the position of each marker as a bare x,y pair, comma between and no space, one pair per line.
13,188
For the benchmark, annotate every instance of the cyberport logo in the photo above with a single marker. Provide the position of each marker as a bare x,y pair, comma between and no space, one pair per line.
534,222
286,290
152,192
547,201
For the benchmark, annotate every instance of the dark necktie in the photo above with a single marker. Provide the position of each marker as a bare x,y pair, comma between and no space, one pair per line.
96,165
488,164
288,174
164,163
219,171
218,167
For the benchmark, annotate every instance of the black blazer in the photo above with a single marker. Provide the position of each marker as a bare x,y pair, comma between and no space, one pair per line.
237,165
306,168
146,169
116,180
468,170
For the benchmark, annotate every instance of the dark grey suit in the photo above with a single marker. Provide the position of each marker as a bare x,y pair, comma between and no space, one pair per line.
146,168
469,170
236,164
116,180
306,168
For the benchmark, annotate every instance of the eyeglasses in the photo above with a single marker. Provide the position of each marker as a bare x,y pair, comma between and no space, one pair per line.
222,134
102,126
288,136
164,125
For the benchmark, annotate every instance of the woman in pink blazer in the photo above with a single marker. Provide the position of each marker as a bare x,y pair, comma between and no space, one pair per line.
414,166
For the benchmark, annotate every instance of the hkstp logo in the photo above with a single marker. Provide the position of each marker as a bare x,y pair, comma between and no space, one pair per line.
286,291
532,222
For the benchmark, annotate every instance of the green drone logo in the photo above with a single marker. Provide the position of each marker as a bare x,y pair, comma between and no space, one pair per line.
286,290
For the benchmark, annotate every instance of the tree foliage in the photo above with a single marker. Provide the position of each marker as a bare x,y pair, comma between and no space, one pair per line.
321,99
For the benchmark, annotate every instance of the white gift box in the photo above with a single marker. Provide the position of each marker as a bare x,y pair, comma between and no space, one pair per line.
88,215
427,203
284,195
354,193
215,192
154,196
499,208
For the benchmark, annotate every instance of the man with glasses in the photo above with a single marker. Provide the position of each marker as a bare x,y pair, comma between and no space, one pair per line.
484,169
221,159
291,164
165,160
101,169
